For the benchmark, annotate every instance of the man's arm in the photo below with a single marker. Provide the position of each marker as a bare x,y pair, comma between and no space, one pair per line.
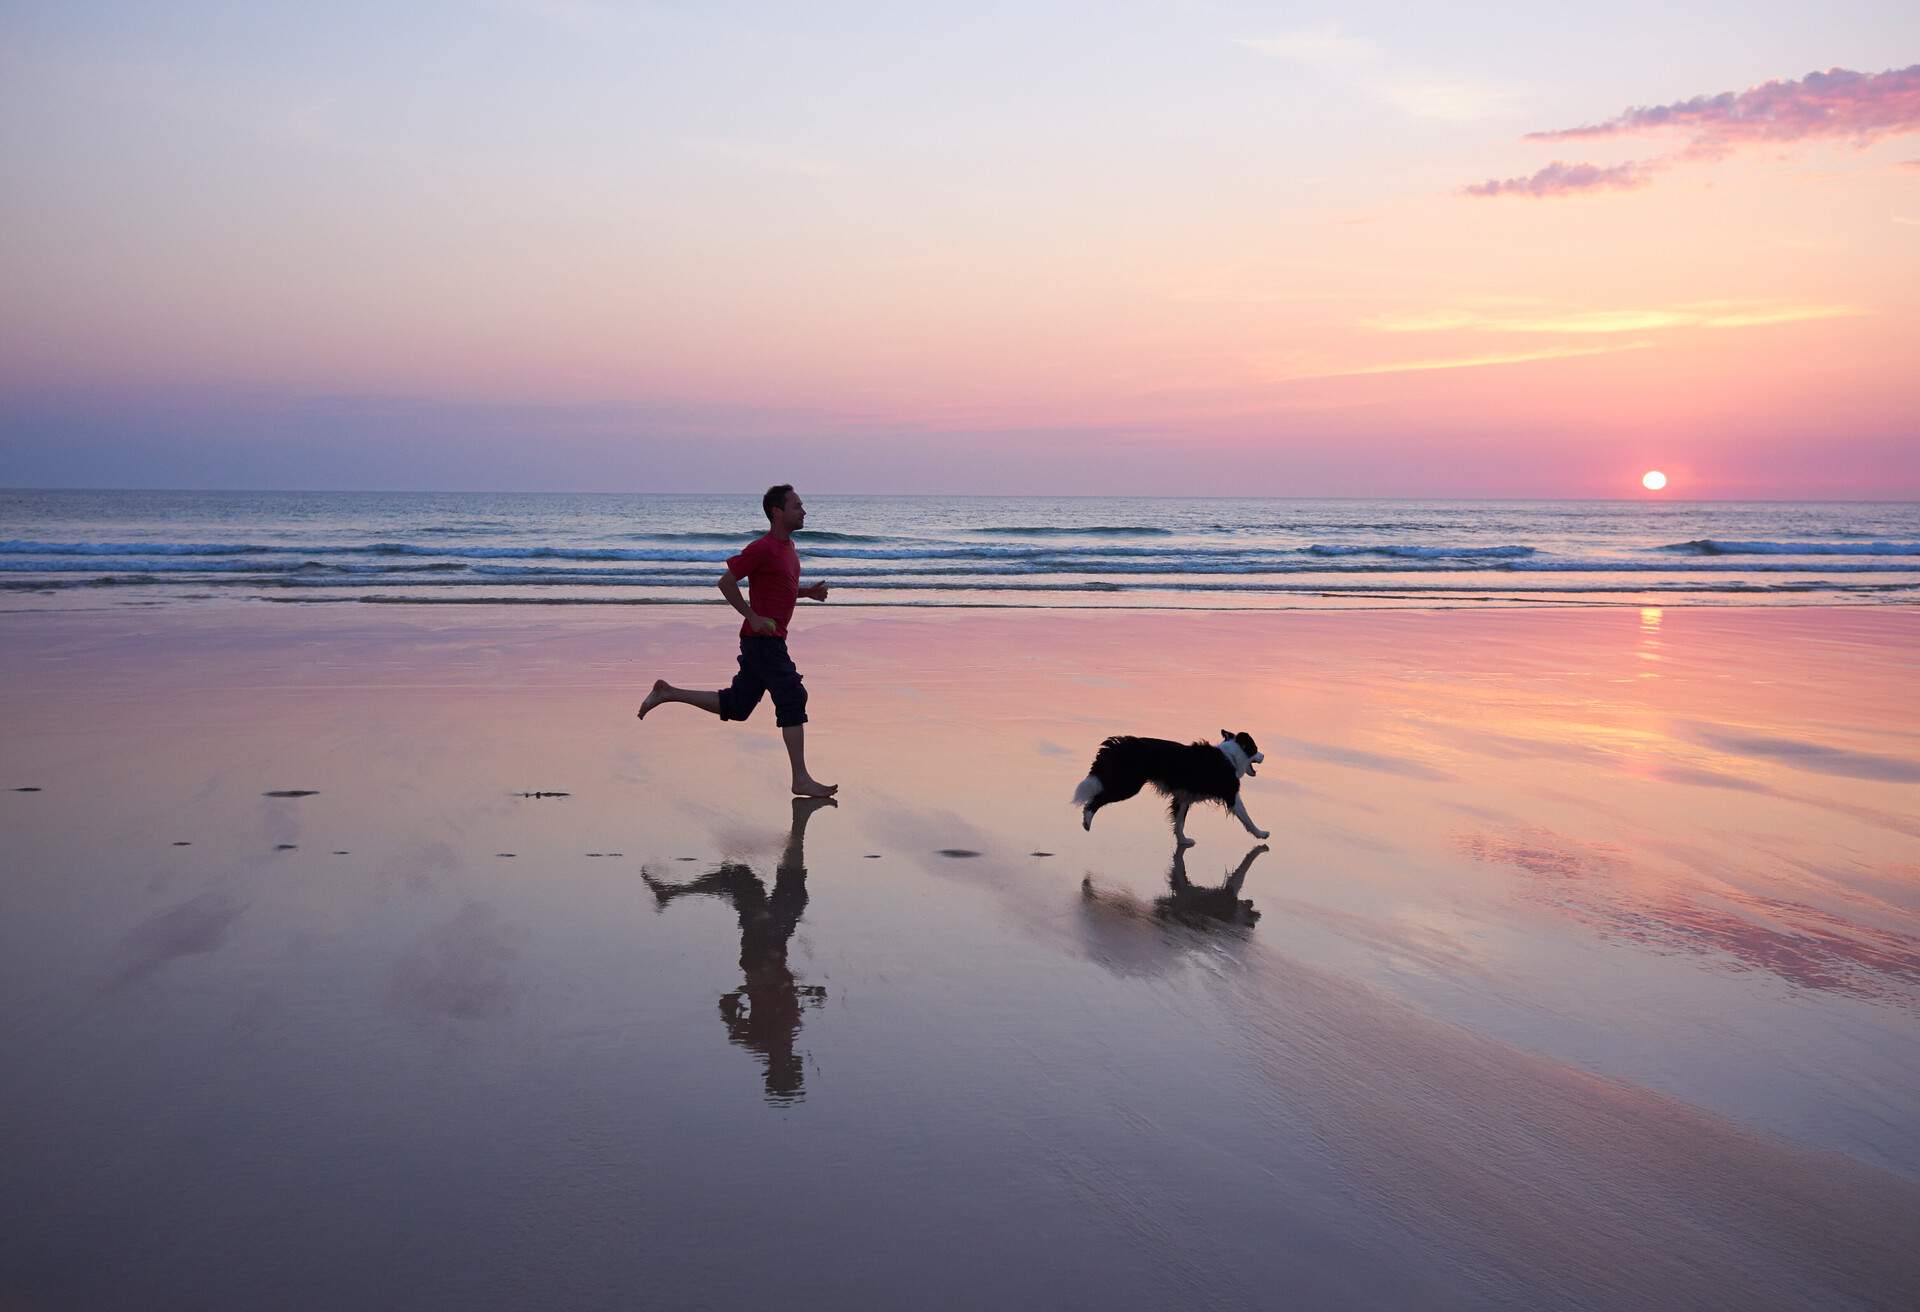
815,591
730,589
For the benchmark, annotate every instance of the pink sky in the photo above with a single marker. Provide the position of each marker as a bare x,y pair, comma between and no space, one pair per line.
1215,258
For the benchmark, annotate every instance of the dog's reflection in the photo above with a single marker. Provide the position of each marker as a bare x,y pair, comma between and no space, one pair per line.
1191,904
1131,936
763,1014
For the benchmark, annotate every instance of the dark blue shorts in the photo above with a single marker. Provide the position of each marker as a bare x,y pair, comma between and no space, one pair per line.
765,667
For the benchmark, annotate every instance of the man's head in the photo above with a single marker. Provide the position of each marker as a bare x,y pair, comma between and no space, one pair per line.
783,508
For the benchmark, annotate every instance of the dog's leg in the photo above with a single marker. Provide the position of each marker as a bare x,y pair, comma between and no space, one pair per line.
1180,805
1240,812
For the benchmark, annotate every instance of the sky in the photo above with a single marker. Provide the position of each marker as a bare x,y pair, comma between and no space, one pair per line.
981,248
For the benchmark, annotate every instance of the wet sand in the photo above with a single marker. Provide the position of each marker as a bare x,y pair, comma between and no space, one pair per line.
1582,967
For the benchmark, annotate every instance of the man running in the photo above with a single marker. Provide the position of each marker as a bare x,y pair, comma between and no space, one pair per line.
771,567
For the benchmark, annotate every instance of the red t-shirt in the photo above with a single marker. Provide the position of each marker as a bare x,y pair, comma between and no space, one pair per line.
771,568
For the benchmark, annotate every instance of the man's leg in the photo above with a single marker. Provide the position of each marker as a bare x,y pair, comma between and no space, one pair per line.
789,692
804,784
666,692
744,692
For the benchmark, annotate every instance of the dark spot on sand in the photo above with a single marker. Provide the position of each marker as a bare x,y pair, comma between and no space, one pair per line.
958,851
596,854
546,794
686,858
26,790
293,792
340,851
873,856
286,847
183,843
1039,854
503,853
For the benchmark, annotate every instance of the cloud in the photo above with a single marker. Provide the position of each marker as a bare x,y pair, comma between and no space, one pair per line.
1558,179
1413,92
1709,314
1470,361
1838,104
1448,101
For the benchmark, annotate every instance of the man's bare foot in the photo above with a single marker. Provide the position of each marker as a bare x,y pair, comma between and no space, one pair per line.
811,788
806,806
654,698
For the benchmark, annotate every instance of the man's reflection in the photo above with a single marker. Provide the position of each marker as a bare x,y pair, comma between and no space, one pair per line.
763,1014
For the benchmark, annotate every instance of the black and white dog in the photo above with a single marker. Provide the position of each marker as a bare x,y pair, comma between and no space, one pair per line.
1185,772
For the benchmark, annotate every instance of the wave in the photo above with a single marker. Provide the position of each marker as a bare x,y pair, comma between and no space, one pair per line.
1716,547
1423,553
194,566
442,587
16,546
1092,530
628,567
954,551
1730,587
741,539
1179,568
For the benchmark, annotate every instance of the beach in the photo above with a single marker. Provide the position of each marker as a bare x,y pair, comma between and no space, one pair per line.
379,955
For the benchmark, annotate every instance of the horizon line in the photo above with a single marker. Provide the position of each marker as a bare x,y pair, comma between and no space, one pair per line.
984,496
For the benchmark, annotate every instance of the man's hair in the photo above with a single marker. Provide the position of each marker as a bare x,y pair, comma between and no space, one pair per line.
776,498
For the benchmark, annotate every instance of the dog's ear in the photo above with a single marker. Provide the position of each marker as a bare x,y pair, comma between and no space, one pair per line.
1225,733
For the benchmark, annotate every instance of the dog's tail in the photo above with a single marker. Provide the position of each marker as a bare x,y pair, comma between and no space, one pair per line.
1088,790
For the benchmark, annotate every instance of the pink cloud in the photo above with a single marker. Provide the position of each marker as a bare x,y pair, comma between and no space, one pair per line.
1838,103
1558,179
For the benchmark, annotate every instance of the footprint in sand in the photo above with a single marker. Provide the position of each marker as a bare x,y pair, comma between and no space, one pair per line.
293,792
958,852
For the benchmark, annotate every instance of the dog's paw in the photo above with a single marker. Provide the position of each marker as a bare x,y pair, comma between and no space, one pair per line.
1261,833
1188,842
1086,821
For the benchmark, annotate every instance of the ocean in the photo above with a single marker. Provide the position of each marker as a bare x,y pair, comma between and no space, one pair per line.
66,549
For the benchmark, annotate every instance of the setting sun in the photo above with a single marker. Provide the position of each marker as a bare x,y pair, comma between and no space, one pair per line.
1653,480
